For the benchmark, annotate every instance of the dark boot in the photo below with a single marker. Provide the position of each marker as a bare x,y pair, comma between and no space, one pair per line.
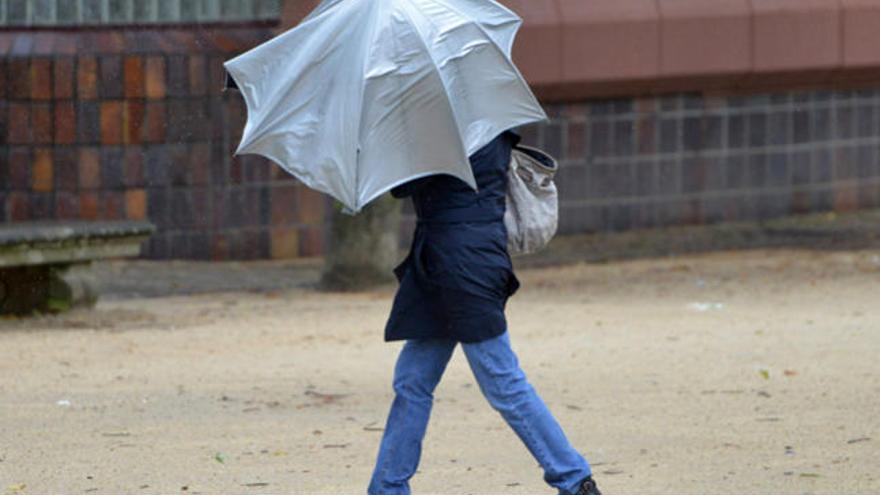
588,487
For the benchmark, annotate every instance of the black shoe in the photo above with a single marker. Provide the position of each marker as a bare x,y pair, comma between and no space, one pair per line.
588,487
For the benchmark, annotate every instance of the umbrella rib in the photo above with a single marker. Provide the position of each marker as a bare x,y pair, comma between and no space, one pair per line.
374,29
445,90
490,38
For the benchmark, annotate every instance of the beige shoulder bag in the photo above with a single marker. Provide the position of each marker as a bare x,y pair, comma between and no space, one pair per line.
532,201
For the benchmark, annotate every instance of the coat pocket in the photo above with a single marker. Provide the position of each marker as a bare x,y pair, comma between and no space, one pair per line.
401,269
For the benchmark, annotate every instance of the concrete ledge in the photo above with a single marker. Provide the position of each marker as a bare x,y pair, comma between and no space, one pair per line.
131,279
825,231
30,244
44,266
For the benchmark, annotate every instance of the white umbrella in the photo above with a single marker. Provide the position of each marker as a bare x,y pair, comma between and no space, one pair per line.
365,95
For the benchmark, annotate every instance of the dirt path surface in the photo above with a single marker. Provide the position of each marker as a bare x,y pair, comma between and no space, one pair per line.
730,373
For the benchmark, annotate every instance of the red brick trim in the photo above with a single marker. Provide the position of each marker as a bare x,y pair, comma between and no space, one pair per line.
572,49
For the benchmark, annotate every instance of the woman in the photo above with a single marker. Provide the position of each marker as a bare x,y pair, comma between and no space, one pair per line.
453,288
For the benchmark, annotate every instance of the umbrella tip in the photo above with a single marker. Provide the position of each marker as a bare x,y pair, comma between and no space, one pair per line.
242,146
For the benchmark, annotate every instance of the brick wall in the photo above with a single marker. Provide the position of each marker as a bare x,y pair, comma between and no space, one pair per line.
115,124
111,124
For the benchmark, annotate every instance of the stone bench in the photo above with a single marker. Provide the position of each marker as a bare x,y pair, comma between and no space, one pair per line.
44,265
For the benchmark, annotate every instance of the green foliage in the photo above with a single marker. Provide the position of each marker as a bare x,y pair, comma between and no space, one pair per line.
57,305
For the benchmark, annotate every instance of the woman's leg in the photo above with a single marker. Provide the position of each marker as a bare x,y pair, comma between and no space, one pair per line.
418,371
505,386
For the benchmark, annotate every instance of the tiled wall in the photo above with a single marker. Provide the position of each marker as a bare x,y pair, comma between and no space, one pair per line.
636,163
132,124
80,12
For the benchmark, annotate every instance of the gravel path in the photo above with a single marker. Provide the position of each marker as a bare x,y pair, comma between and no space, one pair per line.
730,373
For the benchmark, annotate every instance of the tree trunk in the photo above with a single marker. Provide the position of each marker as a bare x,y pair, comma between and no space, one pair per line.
363,249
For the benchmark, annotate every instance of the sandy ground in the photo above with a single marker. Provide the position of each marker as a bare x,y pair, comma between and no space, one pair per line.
730,373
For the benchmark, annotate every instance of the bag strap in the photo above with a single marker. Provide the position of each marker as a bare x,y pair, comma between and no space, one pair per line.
538,157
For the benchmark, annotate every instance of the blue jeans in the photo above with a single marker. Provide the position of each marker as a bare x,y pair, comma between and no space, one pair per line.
418,371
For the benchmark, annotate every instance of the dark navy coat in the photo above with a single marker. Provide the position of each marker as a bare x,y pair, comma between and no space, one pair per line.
458,275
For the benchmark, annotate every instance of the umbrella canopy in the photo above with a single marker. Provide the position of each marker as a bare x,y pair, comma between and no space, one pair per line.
365,95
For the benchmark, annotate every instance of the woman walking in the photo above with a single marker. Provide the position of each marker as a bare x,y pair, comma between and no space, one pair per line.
364,95
454,285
